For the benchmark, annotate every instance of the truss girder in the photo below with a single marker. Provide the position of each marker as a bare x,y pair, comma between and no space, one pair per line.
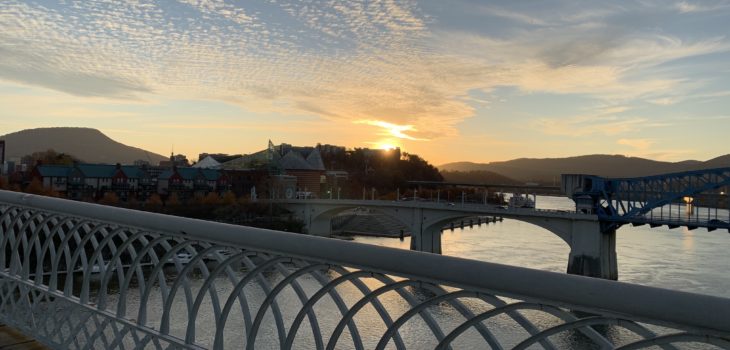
622,200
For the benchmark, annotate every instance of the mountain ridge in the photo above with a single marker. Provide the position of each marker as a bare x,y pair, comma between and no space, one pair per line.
87,144
546,170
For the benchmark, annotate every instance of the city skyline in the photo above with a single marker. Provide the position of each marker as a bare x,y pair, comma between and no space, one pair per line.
468,81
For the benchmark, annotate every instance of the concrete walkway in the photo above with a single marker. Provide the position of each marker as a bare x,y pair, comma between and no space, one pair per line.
10,339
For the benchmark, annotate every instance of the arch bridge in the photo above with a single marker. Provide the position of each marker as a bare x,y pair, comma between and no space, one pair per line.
688,199
591,253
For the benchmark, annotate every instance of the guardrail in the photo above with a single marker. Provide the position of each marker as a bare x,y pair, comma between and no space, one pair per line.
79,275
477,208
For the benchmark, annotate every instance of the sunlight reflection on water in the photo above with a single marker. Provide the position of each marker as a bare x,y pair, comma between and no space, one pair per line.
691,261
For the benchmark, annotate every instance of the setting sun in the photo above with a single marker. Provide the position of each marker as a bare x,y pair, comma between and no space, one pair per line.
387,144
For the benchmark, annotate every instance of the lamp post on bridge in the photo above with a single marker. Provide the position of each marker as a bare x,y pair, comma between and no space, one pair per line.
438,196
462,198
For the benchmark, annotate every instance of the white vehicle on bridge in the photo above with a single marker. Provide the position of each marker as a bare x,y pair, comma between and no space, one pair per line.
521,201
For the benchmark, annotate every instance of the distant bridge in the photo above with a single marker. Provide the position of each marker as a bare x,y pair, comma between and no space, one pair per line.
687,199
591,252
602,206
487,185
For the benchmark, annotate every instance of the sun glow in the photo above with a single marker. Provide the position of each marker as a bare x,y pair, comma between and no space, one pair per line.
386,146
393,130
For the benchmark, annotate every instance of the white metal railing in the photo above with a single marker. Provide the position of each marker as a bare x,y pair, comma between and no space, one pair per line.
79,275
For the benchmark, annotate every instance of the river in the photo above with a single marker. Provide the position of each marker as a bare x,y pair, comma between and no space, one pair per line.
691,261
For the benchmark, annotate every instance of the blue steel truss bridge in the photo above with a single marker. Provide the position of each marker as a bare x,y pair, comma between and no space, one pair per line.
689,199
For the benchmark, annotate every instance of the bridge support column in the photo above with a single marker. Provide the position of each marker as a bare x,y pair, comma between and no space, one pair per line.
424,238
428,240
320,225
592,252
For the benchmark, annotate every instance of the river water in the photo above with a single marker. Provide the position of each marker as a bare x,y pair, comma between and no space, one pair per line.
691,261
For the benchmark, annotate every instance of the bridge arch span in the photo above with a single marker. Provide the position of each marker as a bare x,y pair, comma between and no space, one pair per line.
318,219
560,228
592,250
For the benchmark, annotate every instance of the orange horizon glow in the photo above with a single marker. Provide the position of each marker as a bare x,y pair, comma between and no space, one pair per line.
419,78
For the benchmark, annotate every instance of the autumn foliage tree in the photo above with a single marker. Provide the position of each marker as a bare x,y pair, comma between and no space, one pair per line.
154,201
229,198
35,187
383,170
109,198
172,200
50,157
211,199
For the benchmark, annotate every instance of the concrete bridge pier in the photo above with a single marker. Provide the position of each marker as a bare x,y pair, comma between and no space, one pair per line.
317,225
592,252
427,240
425,237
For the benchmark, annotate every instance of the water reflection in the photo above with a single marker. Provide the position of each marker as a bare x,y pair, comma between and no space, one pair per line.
692,261
688,242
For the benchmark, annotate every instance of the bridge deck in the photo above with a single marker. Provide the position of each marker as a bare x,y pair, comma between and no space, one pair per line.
10,339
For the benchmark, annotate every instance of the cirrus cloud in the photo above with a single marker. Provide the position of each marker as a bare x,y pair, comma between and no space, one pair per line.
383,61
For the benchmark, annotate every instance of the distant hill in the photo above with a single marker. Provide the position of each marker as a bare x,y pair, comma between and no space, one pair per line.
719,162
548,170
88,145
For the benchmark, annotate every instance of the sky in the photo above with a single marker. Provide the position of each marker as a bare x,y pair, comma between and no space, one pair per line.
449,80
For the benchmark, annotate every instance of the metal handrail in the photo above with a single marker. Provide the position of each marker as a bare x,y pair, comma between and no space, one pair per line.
698,314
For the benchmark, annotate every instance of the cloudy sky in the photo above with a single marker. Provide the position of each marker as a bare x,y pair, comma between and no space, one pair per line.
449,80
